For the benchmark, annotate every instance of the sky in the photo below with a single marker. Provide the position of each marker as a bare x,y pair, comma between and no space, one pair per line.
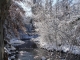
54,1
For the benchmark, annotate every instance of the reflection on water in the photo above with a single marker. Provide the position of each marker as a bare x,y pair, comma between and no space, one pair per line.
42,54
29,51
23,55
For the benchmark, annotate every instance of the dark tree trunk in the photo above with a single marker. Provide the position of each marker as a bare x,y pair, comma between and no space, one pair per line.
3,13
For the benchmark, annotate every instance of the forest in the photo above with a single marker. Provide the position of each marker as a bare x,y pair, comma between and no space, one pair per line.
40,29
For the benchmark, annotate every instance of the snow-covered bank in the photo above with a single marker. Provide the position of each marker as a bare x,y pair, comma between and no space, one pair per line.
10,49
15,42
60,34
53,46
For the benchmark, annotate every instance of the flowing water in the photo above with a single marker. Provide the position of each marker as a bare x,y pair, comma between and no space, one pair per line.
29,52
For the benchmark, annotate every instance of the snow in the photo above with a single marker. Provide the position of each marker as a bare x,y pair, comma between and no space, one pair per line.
36,57
9,59
25,6
12,57
7,50
10,48
45,29
66,34
21,52
15,42
13,48
43,58
76,49
78,39
48,59
65,48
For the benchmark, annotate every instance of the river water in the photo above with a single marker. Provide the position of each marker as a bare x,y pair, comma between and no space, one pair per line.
28,52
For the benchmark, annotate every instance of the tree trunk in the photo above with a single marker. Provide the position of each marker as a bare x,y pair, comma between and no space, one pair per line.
3,13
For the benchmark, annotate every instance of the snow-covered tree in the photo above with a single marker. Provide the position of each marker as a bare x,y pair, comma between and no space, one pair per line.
58,26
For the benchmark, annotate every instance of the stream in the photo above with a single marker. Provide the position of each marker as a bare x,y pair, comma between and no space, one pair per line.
30,51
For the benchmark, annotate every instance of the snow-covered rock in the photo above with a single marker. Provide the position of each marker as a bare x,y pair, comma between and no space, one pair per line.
16,42
6,50
10,47
66,48
43,58
12,57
